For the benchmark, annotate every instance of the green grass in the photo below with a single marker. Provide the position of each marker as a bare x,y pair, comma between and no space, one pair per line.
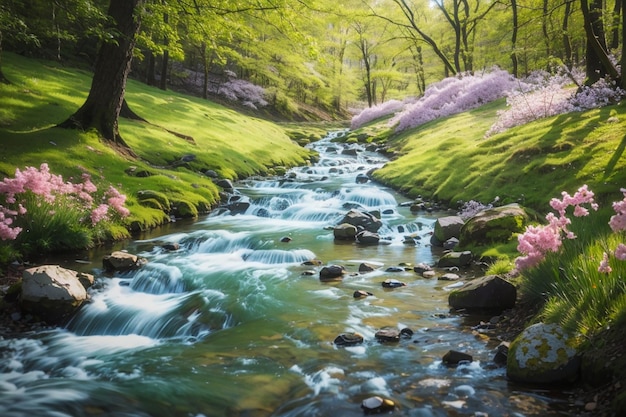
449,159
235,146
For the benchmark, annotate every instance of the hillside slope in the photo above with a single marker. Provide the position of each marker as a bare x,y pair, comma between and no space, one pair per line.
449,159
184,139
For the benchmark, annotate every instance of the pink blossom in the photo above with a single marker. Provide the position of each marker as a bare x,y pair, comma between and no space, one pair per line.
116,200
372,113
604,267
454,95
618,221
99,213
620,252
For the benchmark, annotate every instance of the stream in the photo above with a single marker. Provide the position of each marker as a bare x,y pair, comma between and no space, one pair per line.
233,324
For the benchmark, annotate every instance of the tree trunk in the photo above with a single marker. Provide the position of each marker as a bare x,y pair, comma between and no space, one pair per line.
567,43
623,61
617,11
102,108
598,65
514,60
166,57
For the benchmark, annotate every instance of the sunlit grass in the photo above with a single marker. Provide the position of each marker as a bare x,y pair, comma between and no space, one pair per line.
450,160
235,146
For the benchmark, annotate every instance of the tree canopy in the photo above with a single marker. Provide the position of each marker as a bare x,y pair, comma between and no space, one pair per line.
285,55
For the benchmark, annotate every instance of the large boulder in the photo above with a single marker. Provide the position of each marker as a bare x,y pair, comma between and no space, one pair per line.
53,293
445,228
543,354
496,224
489,293
362,220
345,231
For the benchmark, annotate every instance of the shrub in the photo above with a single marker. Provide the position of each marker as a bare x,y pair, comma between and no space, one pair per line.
39,212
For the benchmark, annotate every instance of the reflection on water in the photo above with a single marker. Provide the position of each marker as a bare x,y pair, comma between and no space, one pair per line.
233,323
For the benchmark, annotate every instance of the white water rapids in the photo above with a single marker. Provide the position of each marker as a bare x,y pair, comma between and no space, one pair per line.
230,324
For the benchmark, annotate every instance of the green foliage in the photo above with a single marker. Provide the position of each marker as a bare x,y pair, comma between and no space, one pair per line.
501,266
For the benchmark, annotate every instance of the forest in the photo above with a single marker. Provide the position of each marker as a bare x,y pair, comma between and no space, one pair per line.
288,58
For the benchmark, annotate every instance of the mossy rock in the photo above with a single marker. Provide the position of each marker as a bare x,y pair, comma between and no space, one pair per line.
543,354
184,209
152,203
494,225
161,198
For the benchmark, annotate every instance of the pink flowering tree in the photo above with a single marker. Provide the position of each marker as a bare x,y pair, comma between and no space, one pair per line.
40,212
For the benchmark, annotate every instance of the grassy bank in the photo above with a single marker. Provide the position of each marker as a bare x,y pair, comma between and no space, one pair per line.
449,159
183,139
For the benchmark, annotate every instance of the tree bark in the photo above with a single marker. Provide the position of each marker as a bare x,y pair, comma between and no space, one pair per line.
514,60
102,107
598,65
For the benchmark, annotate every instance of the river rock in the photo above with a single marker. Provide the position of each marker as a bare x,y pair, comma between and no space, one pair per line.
345,231
449,276
447,227
362,178
454,357
387,334
367,238
543,354
451,243
455,259
348,339
377,405
497,224
361,294
52,292
365,267
488,293
362,220
421,267
332,273
122,261
393,283
226,184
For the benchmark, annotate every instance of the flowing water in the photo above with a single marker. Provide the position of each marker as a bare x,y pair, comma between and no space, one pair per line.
231,324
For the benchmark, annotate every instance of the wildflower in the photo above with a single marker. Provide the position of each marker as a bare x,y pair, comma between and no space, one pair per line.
99,213
604,267
618,221
620,252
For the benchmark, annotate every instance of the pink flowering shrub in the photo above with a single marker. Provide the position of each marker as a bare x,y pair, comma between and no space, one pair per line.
544,97
372,113
42,212
454,95
536,241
